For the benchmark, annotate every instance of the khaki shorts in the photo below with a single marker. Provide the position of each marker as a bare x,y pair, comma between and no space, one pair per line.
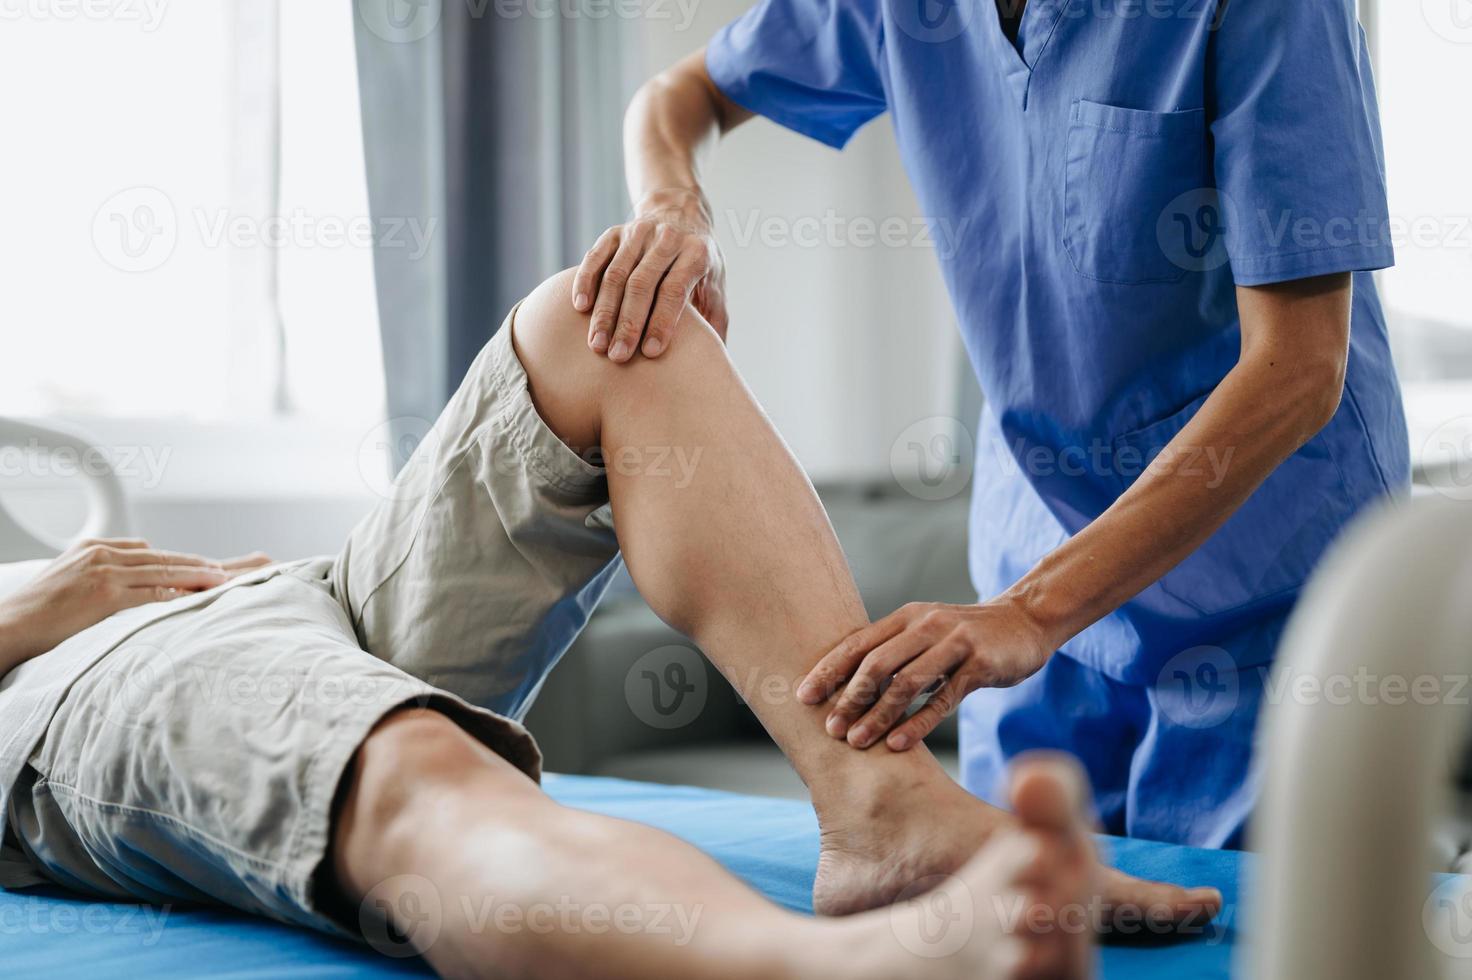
199,760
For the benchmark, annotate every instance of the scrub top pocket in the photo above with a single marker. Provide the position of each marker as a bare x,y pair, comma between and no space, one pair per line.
1124,168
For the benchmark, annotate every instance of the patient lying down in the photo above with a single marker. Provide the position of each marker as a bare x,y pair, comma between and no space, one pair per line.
195,756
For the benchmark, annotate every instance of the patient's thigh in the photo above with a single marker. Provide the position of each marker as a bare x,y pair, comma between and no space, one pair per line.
484,560
199,761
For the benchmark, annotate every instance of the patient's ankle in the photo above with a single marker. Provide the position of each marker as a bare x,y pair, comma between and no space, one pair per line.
877,784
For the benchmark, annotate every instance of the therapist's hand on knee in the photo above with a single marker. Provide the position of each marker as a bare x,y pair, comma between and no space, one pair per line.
638,276
876,674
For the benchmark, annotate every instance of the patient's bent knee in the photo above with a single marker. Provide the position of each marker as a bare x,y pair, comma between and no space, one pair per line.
572,384
562,371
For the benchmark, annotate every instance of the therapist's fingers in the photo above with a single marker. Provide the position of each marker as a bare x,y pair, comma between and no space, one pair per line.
590,273
632,240
864,688
710,299
914,679
674,293
646,280
839,664
917,727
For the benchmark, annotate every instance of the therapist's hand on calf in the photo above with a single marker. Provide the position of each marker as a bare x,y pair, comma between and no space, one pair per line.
638,276
878,672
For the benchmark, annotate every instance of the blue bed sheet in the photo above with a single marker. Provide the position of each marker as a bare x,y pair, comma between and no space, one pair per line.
770,843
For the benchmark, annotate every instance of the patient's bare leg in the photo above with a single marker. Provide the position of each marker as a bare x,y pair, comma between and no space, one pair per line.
487,876
735,550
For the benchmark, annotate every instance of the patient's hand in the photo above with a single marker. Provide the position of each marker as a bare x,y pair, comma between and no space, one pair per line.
94,579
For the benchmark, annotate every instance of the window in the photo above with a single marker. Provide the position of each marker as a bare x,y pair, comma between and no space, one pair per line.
1425,59
333,359
146,254
1424,68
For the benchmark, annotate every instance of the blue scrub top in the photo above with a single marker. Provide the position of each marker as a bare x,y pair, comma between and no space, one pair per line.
1102,185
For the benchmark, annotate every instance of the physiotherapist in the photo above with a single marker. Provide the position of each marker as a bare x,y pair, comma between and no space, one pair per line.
1168,211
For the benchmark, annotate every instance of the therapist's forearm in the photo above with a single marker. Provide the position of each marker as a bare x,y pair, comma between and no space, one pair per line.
1285,387
672,124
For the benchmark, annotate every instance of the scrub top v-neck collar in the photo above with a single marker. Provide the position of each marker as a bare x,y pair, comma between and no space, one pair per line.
1018,60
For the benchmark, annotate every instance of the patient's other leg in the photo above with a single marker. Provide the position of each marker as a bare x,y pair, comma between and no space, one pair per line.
487,876
734,549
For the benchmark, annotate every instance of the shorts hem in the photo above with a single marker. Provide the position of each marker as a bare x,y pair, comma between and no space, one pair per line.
308,850
540,448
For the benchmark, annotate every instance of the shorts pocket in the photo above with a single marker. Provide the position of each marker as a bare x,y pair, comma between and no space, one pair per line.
1270,545
1124,169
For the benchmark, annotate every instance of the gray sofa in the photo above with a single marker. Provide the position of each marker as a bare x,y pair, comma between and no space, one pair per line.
591,716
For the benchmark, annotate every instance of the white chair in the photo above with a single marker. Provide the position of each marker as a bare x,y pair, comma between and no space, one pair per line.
1355,786
107,510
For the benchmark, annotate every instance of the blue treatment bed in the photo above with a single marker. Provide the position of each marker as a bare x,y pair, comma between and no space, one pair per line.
771,843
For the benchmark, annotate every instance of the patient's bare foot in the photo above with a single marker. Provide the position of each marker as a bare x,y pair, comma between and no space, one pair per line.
879,841
1021,908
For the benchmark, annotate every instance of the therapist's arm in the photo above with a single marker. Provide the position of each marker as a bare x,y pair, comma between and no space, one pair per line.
1284,388
643,272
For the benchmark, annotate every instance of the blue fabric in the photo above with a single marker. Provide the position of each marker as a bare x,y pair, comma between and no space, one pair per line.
1097,190
773,844
1170,761
1095,193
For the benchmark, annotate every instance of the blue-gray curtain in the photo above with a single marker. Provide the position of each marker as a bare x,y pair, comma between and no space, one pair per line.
496,127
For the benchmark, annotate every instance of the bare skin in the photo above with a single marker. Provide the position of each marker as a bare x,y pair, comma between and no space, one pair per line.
446,838
739,555
1285,387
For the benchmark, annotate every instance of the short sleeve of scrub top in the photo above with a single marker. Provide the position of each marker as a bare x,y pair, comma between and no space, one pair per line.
1299,165
1093,170
810,65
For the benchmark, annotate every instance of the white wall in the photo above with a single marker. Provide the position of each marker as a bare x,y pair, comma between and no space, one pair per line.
846,346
